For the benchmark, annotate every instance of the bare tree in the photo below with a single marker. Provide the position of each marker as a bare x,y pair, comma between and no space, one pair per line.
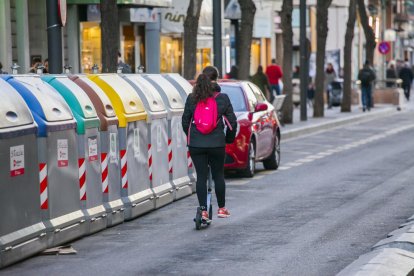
322,33
349,37
368,31
190,38
286,24
248,9
110,35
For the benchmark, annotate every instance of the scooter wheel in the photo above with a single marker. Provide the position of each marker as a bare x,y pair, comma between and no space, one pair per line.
197,219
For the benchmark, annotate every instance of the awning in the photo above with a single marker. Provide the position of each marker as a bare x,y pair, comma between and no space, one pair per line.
149,3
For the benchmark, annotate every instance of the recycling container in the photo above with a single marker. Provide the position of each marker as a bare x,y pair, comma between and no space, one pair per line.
177,153
157,133
184,88
136,192
22,232
57,157
89,153
110,166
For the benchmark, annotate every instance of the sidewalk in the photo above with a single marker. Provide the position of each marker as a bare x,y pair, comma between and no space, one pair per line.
334,117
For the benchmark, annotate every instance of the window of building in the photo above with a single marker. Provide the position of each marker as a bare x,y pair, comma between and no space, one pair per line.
90,46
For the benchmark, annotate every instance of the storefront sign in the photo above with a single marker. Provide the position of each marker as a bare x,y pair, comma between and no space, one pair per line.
172,19
144,15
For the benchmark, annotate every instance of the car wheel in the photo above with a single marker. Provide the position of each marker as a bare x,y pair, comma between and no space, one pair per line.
251,162
272,163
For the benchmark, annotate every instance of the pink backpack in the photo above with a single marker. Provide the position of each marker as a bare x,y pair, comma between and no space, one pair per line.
205,115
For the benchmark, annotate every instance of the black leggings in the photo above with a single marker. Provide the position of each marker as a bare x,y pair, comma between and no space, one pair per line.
202,157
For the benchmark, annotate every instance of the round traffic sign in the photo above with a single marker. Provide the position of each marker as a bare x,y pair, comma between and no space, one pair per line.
384,47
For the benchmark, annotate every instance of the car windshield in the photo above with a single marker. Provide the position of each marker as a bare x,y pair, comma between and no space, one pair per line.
236,96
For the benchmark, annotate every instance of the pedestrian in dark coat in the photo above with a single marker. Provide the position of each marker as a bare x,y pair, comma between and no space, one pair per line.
209,149
261,80
407,79
367,76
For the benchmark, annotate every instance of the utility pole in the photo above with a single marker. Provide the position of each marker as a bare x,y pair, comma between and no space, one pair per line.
304,74
54,35
217,35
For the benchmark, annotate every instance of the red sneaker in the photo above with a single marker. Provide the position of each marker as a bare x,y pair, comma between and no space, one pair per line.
204,216
223,213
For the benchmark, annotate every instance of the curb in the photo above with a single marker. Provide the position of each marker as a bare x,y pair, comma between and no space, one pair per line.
385,261
293,133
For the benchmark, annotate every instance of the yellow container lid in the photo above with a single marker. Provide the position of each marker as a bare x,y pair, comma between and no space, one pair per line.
128,106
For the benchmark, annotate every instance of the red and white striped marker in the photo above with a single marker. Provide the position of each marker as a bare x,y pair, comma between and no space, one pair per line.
124,168
104,172
43,186
170,155
189,161
150,162
82,178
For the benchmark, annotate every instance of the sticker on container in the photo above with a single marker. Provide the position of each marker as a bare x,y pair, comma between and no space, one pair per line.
62,152
159,138
16,160
113,151
179,135
93,148
136,142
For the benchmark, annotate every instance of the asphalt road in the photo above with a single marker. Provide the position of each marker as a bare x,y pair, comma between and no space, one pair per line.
336,194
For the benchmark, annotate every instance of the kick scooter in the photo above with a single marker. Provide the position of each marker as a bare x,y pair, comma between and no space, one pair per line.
199,222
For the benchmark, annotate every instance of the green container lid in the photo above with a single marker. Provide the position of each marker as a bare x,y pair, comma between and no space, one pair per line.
78,101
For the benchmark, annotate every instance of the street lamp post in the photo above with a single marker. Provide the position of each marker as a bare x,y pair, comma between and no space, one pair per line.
54,36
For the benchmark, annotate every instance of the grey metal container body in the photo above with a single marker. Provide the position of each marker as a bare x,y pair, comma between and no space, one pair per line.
92,206
157,135
22,232
138,196
175,107
112,198
184,88
160,177
63,217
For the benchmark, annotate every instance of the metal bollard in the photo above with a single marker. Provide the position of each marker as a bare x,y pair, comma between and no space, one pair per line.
39,69
15,69
66,69
95,69
140,69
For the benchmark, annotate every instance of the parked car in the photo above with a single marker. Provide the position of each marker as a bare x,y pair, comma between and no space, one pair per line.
258,137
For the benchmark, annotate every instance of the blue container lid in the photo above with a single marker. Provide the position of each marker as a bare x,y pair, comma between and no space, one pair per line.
48,108
15,116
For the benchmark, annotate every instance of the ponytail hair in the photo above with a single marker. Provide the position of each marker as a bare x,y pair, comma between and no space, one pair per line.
203,88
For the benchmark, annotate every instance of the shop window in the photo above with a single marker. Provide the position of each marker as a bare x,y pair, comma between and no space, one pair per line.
170,55
129,46
90,46
203,59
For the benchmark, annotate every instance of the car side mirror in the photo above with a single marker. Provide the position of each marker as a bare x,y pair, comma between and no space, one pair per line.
260,107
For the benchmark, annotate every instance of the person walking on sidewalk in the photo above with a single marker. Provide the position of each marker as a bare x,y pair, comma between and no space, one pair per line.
261,80
209,149
407,79
366,75
274,73
330,76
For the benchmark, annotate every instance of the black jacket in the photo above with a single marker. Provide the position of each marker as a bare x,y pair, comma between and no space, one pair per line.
406,75
216,138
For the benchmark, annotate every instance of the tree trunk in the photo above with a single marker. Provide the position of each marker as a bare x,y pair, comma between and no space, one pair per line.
286,24
322,33
349,36
109,35
248,9
190,38
368,31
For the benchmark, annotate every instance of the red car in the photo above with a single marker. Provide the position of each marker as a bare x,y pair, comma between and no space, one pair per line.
258,137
